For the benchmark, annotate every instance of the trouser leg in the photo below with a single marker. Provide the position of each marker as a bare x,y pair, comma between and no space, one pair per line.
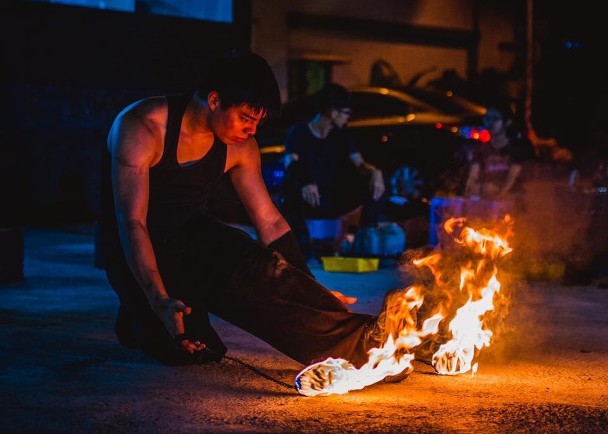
371,211
254,288
360,194
294,313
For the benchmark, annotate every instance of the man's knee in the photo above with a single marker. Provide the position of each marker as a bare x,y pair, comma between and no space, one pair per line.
264,266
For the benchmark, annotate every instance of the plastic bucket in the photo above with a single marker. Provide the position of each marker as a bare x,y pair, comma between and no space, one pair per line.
392,239
324,229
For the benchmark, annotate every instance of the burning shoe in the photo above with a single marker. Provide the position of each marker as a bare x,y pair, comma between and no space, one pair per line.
331,376
338,376
386,350
391,337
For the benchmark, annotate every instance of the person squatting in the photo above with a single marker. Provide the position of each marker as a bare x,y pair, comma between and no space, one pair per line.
171,263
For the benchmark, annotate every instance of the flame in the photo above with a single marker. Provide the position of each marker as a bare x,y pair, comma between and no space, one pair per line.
466,299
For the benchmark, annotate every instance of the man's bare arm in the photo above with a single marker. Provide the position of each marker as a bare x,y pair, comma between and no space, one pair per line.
246,176
134,145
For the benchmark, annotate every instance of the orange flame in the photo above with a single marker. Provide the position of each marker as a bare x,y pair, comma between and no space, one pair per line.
476,253
479,282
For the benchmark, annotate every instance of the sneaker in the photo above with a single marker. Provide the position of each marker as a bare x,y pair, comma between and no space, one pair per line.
388,323
331,376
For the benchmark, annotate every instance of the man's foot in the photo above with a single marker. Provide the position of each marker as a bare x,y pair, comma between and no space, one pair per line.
394,316
331,376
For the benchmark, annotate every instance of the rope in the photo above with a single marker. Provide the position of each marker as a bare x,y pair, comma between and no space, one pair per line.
260,373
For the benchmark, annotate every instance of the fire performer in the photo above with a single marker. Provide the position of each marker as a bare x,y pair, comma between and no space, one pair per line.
171,263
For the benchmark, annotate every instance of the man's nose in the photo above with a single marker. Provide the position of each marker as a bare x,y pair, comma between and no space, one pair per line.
251,129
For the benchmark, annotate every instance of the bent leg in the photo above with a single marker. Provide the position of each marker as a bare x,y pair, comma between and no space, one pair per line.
256,289
293,312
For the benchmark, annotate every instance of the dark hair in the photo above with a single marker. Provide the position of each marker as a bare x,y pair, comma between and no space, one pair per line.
333,95
242,77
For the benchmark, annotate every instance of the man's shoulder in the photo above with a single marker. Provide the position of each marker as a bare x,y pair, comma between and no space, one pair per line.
145,107
139,128
298,127
297,133
150,112
344,137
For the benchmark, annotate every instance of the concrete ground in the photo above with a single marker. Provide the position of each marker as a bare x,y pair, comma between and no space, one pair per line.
62,371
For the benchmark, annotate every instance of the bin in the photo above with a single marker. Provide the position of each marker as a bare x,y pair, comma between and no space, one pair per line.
324,229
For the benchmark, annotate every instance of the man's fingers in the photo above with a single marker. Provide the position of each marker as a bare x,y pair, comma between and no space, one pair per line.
180,306
349,300
343,298
184,343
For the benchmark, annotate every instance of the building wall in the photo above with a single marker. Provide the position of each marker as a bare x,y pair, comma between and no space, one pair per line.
67,72
272,37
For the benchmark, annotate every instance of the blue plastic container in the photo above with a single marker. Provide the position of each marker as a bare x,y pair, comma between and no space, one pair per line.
392,239
367,242
324,229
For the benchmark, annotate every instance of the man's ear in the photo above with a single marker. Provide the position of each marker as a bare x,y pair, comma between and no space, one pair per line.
213,100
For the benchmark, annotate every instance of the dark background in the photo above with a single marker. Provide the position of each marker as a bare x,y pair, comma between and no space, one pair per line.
67,71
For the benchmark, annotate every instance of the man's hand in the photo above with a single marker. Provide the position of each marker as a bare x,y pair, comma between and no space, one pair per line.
310,194
377,184
171,311
343,298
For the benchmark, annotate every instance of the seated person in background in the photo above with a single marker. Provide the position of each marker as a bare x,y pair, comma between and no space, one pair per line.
497,165
326,175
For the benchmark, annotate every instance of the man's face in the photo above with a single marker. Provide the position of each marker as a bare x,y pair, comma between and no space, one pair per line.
340,116
235,124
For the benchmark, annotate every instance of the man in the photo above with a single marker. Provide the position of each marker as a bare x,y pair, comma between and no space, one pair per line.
327,176
496,166
171,264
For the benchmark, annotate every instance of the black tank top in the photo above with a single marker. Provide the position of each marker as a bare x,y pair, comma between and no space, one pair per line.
178,193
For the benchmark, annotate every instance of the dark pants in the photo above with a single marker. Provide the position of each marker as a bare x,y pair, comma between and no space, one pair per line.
218,269
336,201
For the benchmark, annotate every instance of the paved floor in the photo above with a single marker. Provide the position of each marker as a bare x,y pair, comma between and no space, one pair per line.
61,370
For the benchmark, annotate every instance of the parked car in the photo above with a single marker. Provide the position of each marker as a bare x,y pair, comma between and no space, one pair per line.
405,130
